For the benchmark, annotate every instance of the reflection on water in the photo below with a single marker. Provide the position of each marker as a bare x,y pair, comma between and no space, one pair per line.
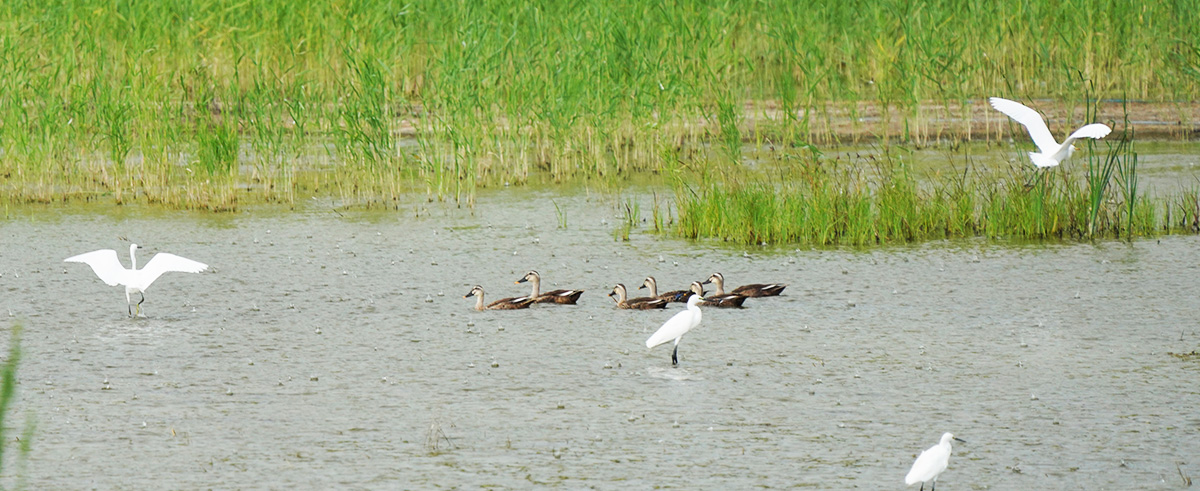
309,356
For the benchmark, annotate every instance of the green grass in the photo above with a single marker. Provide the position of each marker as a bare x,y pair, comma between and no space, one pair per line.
631,216
216,104
837,202
8,394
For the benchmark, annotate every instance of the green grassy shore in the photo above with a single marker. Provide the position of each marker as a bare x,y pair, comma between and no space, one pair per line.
216,104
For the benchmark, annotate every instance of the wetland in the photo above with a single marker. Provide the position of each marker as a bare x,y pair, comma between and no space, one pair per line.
349,170
336,350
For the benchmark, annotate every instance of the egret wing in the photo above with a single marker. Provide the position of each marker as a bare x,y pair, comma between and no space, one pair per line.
106,265
164,262
1094,130
674,327
930,463
1032,121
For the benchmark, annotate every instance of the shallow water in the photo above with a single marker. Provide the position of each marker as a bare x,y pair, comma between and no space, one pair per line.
1165,168
335,350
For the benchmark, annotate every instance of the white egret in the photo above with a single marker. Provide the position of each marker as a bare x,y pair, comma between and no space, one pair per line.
931,463
1052,153
106,265
677,326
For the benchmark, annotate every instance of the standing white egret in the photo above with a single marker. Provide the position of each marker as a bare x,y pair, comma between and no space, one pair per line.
1052,153
931,463
106,265
677,326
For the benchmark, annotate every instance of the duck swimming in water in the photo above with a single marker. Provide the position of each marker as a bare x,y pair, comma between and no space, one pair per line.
727,301
751,290
671,296
511,303
643,303
552,296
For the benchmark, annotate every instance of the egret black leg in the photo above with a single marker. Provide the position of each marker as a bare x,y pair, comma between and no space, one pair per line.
139,304
675,356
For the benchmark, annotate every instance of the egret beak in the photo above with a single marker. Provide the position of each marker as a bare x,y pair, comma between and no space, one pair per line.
959,440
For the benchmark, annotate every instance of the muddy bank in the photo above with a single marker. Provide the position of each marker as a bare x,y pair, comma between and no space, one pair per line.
979,121
833,122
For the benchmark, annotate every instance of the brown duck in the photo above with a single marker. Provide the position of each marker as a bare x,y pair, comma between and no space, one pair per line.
643,303
553,296
671,296
512,303
751,290
729,301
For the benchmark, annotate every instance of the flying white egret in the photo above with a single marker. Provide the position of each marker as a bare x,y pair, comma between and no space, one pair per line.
677,326
106,265
1052,153
931,463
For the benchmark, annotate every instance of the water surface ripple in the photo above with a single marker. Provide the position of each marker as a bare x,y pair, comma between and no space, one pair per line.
325,350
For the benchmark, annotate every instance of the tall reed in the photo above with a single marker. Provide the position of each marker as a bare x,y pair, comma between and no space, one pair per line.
191,104
834,201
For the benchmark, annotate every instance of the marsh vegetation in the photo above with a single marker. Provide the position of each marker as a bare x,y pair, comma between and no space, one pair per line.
214,105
